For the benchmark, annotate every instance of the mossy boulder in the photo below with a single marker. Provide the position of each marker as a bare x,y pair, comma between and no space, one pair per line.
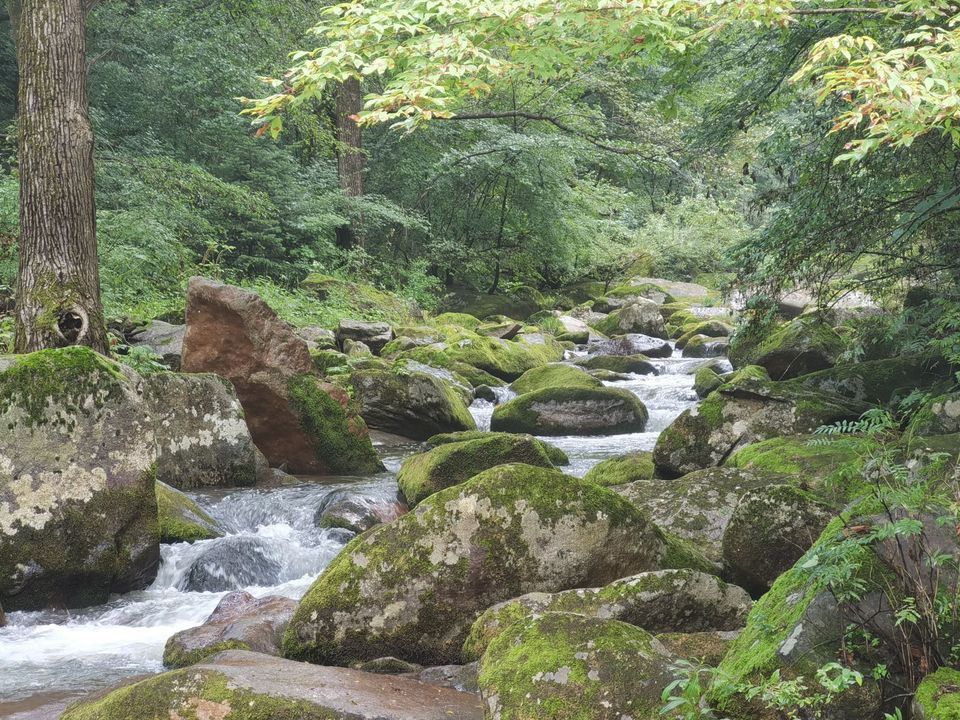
622,469
555,454
798,347
706,381
770,529
243,685
939,416
704,648
572,411
412,400
553,375
413,588
450,464
697,507
743,412
327,362
181,519
78,456
464,320
661,601
634,344
562,666
360,300
938,696
645,290
626,364
707,328
880,381
639,316
704,346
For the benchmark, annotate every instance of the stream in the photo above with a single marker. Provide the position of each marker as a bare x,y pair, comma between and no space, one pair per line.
52,656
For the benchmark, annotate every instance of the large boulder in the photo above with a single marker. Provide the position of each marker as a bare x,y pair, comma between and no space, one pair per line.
622,469
239,622
230,563
561,665
938,696
743,412
413,588
243,685
632,345
625,364
450,464
556,455
410,401
707,328
181,519
553,375
662,601
78,512
164,339
201,431
296,420
640,316
879,381
798,347
572,411
698,506
372,334
704,346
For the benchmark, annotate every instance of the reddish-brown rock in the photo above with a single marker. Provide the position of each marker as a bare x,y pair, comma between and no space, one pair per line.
297,421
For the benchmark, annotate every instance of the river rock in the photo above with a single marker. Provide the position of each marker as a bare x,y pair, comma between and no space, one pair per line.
562,665
769,530
639,316
627,364
317,338
450,464
164,339
243,684
707,328
553,375
230,563
296,420
632,345
455,677
555,454
572,411
201,430
506,330
374,335
239,622
622,469
742,412
573,329
411,402
78,512
413,588
504,359
357,513
800,346
664,601
704,346
706,381
880,381
181,519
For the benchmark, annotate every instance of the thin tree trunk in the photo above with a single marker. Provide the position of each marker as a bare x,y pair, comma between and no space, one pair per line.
350,157
58,291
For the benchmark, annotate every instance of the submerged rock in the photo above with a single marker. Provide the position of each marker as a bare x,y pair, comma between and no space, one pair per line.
572,411
562,665
241,684
231,563
239,622
181,519
413,588
78,512
296,420
357,513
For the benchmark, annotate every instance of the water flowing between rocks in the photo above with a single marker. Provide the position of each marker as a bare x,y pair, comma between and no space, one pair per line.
272,547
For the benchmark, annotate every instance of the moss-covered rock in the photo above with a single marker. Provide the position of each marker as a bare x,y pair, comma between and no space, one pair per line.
562,666
707,328
413,588
329,362
880,381
360,300
704,346
662,601
623,469
78,454
697,507
572,411
553,375
704,648
770,529
938,696
939,416
626,364
242,685
181,519
464,320
556,455
743,412
645,290
639,316
706,381
634,344
412,400
450,464
798,347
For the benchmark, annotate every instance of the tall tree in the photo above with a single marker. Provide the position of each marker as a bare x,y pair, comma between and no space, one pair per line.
348,104
58,290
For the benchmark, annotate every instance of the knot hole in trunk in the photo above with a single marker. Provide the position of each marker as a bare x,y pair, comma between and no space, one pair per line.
72,325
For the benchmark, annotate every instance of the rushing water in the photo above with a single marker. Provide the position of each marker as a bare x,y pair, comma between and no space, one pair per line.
271,532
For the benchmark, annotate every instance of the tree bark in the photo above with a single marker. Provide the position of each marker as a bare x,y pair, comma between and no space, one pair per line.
350,157
58,291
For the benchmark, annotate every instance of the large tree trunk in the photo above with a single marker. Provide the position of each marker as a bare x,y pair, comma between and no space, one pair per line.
58,292
350,157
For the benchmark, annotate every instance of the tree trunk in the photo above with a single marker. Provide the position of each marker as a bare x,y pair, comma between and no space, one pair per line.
58,291
350,157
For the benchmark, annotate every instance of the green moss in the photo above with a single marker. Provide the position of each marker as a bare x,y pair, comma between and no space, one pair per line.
645,290
554,375
181,519
707,328
878,381
707,648
798,347
621,470
360,301
938,695
683,554
464,320
450,464
555,454
176,656
339,439
531,412
706,381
